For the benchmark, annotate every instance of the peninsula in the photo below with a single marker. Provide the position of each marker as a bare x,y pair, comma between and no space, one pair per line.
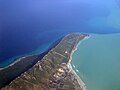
53,71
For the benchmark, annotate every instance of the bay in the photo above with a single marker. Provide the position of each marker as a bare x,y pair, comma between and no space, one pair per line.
97,62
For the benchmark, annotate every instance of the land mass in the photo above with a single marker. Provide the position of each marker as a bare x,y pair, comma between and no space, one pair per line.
53,71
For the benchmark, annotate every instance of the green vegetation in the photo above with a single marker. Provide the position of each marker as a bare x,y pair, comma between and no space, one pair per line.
52,71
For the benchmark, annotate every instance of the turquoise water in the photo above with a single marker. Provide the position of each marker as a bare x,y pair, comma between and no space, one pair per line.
97,62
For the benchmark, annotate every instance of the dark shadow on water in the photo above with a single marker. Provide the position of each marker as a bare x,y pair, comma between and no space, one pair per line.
10,73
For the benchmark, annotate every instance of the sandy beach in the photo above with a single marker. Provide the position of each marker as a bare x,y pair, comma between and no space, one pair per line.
81,83
17,60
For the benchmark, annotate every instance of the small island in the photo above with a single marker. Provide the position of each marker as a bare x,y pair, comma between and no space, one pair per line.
53,71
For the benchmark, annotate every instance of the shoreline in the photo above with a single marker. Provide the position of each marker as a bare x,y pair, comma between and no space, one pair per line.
50,47
17,60
78,84
79,80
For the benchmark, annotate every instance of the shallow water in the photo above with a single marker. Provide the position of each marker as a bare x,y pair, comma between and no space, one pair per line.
97,62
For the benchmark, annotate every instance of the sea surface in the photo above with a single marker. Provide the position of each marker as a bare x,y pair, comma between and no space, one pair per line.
31,26
97,62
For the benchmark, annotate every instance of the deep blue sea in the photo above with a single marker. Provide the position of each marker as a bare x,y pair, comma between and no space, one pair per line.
31,26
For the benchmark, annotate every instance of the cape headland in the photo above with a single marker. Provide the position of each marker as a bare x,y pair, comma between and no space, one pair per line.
51,72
